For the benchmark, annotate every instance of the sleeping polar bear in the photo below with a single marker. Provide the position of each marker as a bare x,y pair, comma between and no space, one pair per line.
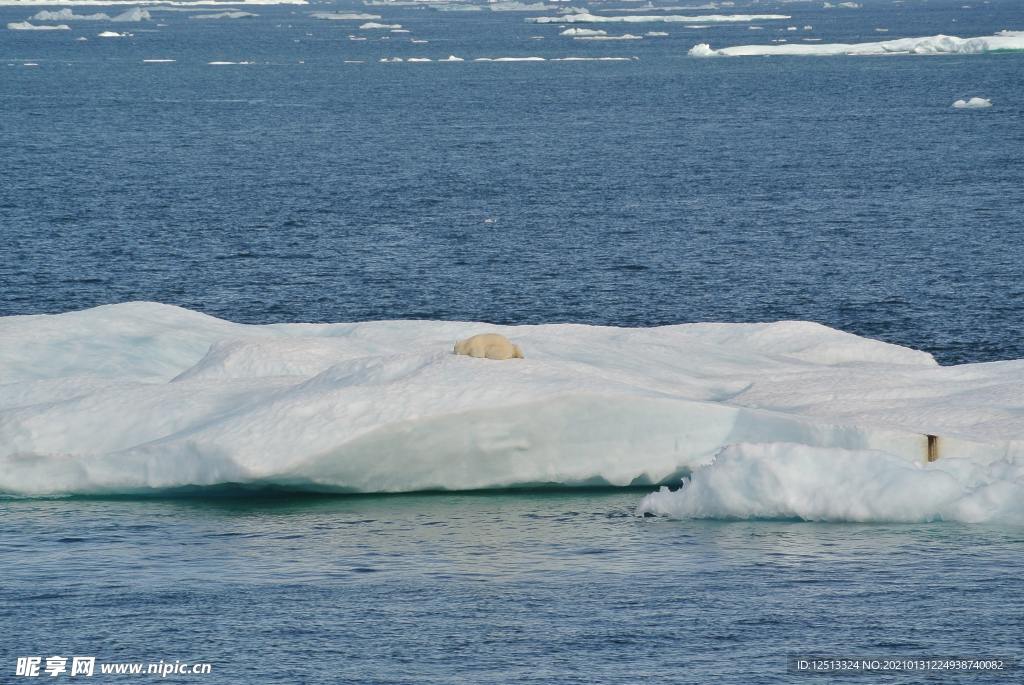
489,346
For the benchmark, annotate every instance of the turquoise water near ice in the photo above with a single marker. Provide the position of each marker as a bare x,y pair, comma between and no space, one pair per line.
659,190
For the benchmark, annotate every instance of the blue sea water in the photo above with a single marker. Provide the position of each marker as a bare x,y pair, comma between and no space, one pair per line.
658,190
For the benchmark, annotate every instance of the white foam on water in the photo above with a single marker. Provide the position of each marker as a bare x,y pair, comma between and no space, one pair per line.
384,406
928,45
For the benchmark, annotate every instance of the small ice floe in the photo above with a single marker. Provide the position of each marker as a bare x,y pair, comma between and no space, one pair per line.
344,16
808,27
113,34
157,61
223,64
595,59
357,37
224,15
656,34
419,59
374,25
973,103
391,60
26,26
452,58
30,64
791,28
882,30
625,36
583,32
81,39
400,31
510,59
416,41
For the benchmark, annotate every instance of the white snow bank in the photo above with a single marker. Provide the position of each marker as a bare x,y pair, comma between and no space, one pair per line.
780,481
129,397
929,45
27,26
224,15
973,103
587,18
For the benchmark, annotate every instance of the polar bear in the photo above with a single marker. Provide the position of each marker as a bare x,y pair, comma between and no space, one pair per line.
488,346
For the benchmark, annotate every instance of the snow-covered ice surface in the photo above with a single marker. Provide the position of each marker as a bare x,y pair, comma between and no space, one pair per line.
928,45
28,26
130,397
587,18
973,103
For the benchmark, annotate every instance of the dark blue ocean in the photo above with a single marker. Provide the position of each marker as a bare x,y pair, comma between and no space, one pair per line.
316,183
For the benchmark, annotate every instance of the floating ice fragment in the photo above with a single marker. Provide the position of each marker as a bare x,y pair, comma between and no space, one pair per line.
26,26
973,103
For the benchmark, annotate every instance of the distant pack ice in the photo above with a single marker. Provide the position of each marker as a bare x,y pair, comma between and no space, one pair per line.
929,45
142,396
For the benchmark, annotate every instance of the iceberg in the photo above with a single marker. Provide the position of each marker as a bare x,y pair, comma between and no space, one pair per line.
68,15
973,103
587,18
141,396
928,45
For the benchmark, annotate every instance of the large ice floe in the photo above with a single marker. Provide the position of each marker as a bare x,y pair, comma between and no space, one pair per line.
1004,41
28,26
776,420
587,18
66,14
